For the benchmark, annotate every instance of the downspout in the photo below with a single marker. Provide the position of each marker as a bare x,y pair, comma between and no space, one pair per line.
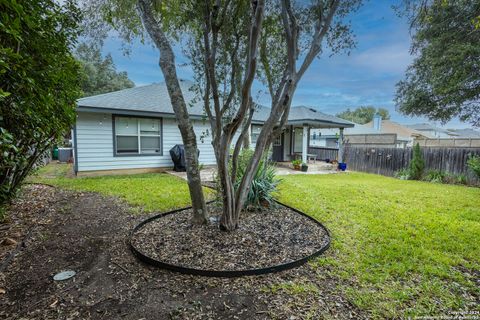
75,152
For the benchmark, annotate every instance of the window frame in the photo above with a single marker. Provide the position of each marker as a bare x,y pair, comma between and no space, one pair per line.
139,135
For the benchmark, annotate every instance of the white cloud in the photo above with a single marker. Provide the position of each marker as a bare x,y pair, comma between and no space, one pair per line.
384,59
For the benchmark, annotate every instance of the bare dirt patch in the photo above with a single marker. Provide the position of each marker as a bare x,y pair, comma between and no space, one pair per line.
86,232
266,238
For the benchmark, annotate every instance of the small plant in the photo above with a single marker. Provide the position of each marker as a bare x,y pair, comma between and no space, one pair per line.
473,163
461,179
296,164
417,165
264,183
403,174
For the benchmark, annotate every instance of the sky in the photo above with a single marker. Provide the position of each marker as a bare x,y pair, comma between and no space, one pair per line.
332,84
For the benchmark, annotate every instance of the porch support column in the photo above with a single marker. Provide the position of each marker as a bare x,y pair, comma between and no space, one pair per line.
305,143
340,146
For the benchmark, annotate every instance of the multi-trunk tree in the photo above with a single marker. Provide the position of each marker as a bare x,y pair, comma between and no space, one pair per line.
230,43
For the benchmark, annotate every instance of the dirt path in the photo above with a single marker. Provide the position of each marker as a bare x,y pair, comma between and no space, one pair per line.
86,232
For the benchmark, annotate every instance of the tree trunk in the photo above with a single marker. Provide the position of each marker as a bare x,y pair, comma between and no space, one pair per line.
227,220
167,65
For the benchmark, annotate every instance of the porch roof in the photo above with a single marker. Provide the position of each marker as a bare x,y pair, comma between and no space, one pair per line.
303,115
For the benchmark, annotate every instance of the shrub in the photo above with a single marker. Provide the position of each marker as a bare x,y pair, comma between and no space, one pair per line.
264,183
460,179
38,86
403,174
473,163
417,165
436,176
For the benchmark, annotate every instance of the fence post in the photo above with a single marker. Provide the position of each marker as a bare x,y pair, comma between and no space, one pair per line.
340,146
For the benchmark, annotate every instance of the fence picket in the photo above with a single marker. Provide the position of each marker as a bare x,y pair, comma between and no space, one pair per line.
387,161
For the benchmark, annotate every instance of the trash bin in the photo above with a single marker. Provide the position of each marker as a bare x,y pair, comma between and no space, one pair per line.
177,153
55,153
64,154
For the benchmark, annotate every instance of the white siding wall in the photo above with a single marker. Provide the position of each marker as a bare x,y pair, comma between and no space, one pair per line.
95,145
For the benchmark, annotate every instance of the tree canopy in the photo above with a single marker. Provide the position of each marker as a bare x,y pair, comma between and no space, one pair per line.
39,84
443,81
99,74
363,115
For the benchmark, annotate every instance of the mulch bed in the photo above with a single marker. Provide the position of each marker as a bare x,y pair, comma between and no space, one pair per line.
86,232
265,238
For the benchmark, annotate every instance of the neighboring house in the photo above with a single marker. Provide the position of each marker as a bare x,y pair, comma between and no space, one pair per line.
329,138
134,129
431,131
405,136
377,133
465,133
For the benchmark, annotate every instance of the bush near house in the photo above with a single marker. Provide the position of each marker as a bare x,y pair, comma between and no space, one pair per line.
39,84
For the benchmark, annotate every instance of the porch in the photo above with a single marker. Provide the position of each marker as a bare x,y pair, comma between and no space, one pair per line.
295,138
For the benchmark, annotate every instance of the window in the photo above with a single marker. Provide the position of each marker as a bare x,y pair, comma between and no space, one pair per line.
255,133
134,136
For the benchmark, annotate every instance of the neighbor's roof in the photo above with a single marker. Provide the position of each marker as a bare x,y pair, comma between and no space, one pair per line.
426,126
465,133
393,127
154,100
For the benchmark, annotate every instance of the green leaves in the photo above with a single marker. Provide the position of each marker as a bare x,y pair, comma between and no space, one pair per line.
38,86
473,163
417,165
363,115
98,74
444,80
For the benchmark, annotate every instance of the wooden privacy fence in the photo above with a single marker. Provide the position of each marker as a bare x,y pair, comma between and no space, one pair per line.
387,161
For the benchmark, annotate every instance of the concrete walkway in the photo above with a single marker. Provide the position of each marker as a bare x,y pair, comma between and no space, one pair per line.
283,169
206,174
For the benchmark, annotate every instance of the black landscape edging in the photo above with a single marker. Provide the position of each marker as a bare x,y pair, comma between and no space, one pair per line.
223,273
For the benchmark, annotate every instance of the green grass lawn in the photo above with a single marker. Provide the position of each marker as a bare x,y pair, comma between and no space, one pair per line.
402,247
399,249
150,191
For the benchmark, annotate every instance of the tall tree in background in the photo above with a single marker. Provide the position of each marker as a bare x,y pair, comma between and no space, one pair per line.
39,84
99,75
363,115
444,80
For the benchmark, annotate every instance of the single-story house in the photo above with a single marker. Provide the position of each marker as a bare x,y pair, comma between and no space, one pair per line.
134,129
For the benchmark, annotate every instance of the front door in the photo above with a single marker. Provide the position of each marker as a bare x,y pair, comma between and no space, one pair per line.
277,149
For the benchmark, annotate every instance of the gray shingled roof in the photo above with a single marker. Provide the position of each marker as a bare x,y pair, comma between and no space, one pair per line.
465,133
153,99
426,126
